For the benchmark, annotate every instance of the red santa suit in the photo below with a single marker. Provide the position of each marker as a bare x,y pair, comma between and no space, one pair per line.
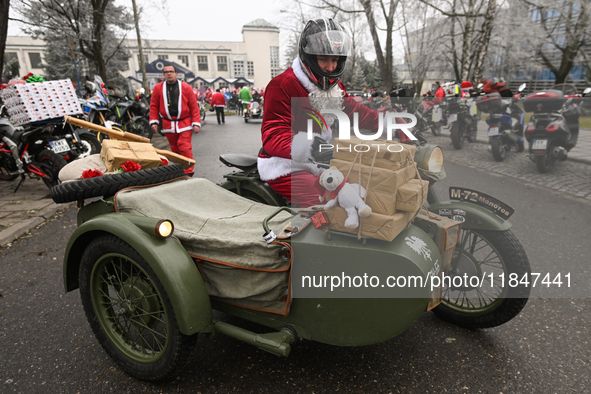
283,161
178,129
439,95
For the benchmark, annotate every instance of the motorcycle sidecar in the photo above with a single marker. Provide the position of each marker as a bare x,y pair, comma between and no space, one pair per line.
152,262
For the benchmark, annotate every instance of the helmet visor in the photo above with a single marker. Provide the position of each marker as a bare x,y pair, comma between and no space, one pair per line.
331,42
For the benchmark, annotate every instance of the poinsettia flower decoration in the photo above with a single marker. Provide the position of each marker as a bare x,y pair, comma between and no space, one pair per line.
130,166
91,174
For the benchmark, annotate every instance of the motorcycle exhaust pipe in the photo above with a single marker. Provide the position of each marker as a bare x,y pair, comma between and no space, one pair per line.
559,153
14,150
512,137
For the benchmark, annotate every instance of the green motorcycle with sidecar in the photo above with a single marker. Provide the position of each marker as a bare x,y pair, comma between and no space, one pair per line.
153,262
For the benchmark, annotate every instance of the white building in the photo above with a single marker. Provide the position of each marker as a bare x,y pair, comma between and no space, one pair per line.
253,61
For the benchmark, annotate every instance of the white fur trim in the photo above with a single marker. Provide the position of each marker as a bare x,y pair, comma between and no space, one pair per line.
301,75
196,124
301,147
276,167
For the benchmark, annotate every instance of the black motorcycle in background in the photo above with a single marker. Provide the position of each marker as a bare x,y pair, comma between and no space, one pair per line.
553,129
462,120
30,151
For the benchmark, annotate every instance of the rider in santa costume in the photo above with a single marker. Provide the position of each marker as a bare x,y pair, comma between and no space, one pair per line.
311,84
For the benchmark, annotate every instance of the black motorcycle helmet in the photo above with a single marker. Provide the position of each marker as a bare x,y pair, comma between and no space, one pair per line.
323,36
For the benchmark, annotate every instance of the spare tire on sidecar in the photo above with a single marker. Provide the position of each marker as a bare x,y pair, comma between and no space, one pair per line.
108,185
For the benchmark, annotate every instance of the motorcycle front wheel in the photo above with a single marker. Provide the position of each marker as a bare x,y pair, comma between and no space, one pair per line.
51,163
457,135
498,148
130,312
471,136
499,261
142,128
90,144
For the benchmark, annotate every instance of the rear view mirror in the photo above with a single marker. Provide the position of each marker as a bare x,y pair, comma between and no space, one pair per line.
480,85
587,91
522,86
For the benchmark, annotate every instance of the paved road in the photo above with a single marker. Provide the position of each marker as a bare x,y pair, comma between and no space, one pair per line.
46,345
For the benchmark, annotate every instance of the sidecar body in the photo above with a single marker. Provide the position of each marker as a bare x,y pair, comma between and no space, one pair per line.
213,260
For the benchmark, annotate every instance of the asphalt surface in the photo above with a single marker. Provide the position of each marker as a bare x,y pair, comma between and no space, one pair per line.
46,345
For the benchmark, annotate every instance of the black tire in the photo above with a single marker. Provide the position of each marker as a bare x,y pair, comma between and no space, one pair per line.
245,120
7,166
142,128
498,148
108,185
436,129
520,146
130,312
51,163
544,163
485,253
457,135
91,145
471,135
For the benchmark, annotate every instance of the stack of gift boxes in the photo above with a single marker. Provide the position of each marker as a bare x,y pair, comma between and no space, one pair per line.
33,102
387,171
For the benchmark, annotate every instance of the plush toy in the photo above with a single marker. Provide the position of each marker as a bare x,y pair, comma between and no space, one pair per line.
335,188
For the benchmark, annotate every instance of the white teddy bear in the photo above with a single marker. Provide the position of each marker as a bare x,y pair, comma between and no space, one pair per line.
335,188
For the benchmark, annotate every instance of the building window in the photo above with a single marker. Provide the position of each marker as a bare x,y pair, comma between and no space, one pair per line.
202,63
274,57
222,63
275,72
35,58
145,59
184,59
223,84
250,67
163,57
239,68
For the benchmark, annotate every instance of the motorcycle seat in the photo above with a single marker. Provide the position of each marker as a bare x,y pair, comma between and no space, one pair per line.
242,161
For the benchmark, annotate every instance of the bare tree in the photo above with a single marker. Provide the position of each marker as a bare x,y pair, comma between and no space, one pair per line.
563,29
98,26
4,7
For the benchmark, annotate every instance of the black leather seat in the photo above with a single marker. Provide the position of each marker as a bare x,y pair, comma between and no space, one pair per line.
242,161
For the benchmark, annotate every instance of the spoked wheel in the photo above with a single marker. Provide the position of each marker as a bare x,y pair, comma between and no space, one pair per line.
130,312
457,135
498,259
498,148
51,163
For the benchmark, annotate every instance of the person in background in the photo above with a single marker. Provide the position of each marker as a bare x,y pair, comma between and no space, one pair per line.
245,97
439,93
175,102
218,101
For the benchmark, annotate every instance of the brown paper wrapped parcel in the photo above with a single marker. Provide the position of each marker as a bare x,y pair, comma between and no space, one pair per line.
378,226
116,153
382,186
389,155
412,195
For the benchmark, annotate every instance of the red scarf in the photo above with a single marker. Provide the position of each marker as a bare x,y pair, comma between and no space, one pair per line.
328,195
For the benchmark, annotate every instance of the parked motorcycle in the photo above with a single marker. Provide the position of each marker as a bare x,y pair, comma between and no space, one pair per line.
462,120
146,299
26,152
430,117
254,111
506,123
553,129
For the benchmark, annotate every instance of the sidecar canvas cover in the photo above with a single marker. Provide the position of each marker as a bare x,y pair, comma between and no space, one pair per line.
223,233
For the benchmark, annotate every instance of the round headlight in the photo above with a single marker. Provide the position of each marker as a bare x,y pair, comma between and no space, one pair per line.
435,163
164,228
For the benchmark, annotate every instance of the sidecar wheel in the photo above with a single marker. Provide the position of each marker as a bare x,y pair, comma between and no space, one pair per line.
485,253
108,185
129,311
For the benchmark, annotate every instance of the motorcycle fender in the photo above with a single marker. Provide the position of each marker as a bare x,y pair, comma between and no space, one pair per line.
471,216
167,257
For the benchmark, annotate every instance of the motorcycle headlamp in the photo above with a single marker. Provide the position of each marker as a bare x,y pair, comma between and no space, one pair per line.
429,159
164,228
